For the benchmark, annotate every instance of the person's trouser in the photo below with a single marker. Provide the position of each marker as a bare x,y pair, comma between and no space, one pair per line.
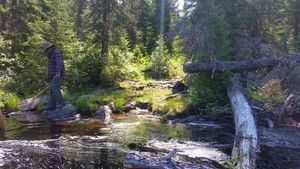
56,98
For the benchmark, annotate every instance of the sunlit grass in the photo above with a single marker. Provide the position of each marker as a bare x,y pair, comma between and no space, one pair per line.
138,91
9,101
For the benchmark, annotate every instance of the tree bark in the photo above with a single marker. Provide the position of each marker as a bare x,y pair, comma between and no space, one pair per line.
3,16
105,30
222,66
296,13
246,140
80,6
13,27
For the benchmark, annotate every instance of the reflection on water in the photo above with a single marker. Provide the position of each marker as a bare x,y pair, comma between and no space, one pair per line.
90,143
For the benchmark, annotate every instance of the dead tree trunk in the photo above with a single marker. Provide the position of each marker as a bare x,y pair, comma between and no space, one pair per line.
245,143
221,66
246,140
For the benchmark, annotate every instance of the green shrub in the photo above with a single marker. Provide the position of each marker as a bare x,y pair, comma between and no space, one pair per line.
83,106
11,102
159,67
207,89
271,94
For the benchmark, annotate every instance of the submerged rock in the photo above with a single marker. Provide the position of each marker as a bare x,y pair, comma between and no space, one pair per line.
148,160
65,113
194,120
284,137
190,149
26,117
174,155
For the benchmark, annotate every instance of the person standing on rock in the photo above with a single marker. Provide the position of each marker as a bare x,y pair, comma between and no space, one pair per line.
56,74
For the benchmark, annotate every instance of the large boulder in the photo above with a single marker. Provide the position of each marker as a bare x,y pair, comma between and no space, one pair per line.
32,103
104,112
65,113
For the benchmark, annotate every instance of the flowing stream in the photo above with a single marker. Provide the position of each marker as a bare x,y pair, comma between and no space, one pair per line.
93,144
90,143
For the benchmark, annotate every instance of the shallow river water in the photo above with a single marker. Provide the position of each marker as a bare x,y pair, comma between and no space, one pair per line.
93,144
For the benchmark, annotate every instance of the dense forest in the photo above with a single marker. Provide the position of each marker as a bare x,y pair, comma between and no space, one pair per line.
131,50
105,40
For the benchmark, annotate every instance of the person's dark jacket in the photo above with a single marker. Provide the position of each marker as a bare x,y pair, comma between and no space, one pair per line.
55,64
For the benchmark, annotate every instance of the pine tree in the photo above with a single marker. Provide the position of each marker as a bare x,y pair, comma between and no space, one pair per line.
144,23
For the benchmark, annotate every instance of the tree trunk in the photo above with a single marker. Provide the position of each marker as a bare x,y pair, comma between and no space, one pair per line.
296,13
13,27
80,5
44,6
105,30
3,16
245,143
222,66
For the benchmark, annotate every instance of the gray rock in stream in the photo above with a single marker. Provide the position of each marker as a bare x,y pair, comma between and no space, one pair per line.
31,103
104,112
172,154
148,160
190,149
62,114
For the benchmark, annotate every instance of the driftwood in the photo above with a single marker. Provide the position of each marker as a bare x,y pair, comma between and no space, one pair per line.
221,66
246,140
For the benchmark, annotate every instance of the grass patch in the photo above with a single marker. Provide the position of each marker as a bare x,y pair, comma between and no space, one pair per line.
175,107
138,91
120,103
9,101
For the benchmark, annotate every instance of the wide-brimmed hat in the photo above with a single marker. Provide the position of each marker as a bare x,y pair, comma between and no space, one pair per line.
47,45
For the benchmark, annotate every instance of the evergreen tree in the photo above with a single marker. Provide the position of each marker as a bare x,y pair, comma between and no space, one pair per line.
144,23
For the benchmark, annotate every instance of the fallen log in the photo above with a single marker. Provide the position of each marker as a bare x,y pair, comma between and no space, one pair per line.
246,141
236,66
